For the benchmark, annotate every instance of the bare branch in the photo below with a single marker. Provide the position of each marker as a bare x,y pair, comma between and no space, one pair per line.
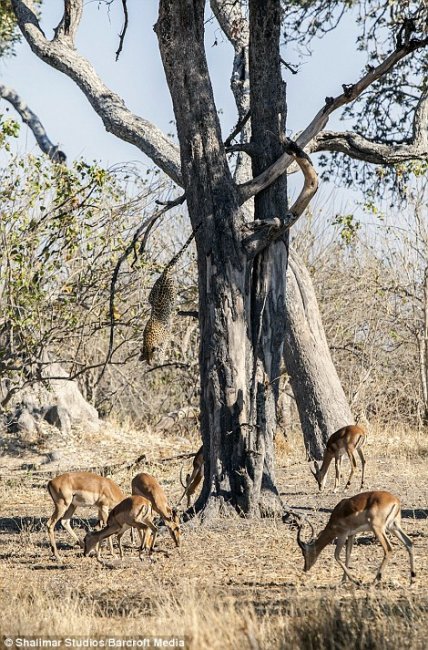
320,120
264,232
124,28
70,21
248,147
238,128
28,117
117,118
380,153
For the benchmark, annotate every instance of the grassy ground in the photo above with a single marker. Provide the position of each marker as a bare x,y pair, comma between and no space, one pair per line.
235,583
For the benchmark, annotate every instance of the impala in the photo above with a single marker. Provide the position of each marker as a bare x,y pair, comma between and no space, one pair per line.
148,487
132,512
375,511
193,479
347,440
80,489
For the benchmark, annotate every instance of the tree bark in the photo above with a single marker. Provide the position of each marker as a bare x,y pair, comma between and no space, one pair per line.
222,266
321,402
241,298
268,115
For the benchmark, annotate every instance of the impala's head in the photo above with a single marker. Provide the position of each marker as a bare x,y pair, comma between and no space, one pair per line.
317,473
174,526
307,548
89,543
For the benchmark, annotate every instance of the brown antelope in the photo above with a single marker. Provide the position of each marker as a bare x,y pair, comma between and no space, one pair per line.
148,487
80,489
193,479
132,512
347,440
375,511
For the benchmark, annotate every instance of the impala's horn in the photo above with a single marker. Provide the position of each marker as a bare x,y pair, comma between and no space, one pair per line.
299,538
299,534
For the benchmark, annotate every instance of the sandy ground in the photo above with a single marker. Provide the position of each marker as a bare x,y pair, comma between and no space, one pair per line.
252,563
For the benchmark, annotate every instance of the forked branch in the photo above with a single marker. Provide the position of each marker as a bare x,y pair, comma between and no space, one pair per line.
351,92
258,234
380,153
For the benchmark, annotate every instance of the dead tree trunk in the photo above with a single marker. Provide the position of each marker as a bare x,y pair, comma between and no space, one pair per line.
321,401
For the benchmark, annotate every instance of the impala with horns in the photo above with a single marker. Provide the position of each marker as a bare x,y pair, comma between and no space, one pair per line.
375,511
347,440
148,487
80,489
132,512
193,479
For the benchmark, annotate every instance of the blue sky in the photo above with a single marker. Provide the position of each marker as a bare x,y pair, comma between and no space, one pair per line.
139,79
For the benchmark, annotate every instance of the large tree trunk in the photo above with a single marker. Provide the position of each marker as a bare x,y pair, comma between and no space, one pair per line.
268,115
321,401
241,298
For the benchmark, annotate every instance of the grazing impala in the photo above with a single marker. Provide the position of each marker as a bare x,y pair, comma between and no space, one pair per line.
148,487
375,511
80,489
132,512
347,440
193,479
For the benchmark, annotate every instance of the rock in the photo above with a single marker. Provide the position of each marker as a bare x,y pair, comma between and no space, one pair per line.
26,423
58,391
59,417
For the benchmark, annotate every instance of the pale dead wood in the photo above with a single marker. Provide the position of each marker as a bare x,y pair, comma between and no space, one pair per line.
319,122
117,118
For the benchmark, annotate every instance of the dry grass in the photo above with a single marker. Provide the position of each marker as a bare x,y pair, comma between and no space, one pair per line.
235,583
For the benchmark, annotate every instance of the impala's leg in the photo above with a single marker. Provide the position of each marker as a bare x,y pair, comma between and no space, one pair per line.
60,509
404,539
349,545
145,527
103,517
339,546
132,537
363,465
143,540
153,530
387,549
65,521
119,541
93,540
350,451
337,462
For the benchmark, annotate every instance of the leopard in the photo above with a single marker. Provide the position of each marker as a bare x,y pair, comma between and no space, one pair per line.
162,299
155,337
